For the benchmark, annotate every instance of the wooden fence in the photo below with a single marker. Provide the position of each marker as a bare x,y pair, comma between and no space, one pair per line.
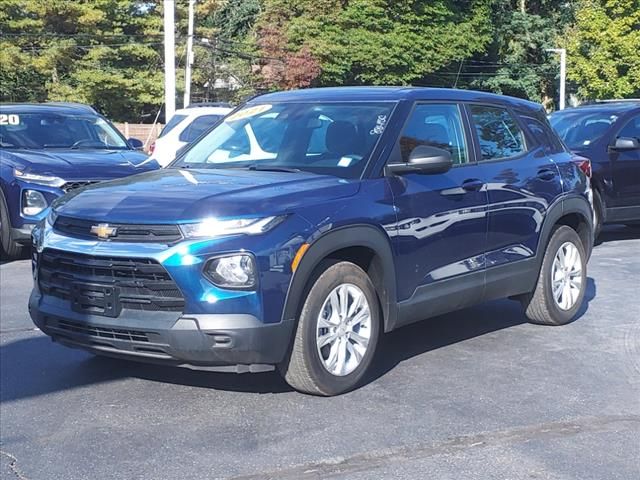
146,132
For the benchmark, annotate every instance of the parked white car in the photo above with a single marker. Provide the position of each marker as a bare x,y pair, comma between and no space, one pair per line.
184,127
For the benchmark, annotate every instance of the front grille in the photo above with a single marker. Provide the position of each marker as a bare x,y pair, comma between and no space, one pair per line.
103,332
105,285
78,227
70,186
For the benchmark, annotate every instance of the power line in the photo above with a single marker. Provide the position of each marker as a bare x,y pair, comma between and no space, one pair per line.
95,45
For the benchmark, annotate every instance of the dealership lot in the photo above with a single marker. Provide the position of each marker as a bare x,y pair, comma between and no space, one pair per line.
475,394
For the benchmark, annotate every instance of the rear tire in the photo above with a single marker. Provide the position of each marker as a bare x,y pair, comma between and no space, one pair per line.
598,214
337,332
10,248
562,280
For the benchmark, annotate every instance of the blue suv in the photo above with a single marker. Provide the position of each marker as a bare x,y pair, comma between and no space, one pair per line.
354,212
49,149
608,134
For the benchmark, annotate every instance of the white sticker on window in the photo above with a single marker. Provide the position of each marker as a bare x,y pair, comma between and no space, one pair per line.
9,119
345,161
381,122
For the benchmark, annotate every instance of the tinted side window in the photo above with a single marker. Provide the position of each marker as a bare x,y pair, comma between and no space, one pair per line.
173,123
631,129
544,135
198,127
498,133
435,125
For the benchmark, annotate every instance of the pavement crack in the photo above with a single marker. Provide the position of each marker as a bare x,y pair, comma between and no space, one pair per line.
340,466
13,465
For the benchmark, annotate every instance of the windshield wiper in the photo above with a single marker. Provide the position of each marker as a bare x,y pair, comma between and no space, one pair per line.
273,168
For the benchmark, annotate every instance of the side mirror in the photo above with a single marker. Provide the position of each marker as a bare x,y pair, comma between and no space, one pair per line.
136,143
424,159
626,143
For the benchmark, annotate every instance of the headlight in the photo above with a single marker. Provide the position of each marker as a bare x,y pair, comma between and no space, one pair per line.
33,202
212,227
47,180
232,271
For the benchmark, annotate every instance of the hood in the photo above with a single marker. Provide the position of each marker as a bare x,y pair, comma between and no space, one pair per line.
79,164
182,196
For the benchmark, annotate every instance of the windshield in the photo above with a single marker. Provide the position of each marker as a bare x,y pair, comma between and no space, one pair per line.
581,129
53,130
331,138
171,124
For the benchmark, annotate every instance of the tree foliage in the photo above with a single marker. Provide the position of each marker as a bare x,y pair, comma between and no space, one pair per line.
604,49
109,53
101,52
517,62
329,42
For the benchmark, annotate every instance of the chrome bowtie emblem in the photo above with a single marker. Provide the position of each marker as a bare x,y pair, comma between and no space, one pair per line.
103,230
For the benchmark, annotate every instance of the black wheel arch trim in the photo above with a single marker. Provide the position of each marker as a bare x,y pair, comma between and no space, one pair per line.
568,204
351,236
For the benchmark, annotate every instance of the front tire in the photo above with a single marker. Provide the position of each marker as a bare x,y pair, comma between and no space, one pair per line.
562,281
10,248
337,332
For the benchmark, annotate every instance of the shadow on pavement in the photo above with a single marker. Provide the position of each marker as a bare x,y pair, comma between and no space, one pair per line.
35,366
611,233
438,332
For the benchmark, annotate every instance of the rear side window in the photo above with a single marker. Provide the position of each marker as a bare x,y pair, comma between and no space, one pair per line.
198,127
498,132
171,124
631,129
544,135
435,125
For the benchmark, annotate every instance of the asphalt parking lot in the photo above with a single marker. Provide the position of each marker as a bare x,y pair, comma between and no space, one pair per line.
475,394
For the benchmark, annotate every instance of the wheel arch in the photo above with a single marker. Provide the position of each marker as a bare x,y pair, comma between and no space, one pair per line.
575,212
366,246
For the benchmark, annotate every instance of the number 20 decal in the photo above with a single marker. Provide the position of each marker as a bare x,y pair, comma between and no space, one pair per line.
9,119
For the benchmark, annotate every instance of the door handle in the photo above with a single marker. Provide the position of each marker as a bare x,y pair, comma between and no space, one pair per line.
546,174
472,184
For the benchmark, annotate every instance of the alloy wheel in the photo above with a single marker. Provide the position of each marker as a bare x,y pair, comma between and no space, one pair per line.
344,329
566,276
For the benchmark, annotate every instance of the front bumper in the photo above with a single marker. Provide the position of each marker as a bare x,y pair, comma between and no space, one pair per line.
218,342
23,234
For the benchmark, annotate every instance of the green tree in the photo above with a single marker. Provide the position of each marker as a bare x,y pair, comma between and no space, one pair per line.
232,51
335,42
102,52
603,49
515,62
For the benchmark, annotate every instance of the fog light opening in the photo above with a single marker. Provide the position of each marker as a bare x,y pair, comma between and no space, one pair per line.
232,271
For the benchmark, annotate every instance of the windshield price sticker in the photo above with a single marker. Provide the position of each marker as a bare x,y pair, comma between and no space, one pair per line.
248,112
9,119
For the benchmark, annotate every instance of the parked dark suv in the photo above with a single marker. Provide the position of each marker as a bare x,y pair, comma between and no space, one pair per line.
362,210
608,133
48,149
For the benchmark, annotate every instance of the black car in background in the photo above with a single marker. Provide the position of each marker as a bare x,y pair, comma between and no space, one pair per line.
607,133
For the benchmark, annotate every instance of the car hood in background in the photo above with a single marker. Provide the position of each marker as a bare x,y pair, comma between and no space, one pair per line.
82,164
181,196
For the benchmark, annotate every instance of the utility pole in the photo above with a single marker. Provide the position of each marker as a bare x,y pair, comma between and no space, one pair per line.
187,68
563,73
169,60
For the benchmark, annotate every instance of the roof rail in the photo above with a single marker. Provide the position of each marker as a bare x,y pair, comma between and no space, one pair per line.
210,104
82,106
612,100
